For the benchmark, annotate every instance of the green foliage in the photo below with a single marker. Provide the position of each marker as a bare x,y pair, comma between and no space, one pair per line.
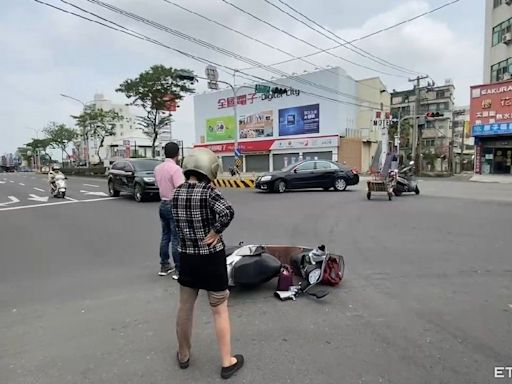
60,136
97,123
151,91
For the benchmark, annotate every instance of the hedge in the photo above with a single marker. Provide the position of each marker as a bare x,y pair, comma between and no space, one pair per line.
91,171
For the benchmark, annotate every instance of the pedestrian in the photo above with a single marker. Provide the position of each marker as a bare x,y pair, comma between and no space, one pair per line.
169,176
202,214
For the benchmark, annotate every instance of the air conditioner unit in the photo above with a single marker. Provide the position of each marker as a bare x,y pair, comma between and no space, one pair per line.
506,38
507,76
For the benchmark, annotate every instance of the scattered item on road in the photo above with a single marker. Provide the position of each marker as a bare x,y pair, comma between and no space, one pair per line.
406,180
309,174
250,266
380,184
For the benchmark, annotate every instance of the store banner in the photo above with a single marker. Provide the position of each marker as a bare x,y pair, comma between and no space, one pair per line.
316,142
491,109
221,128
256,125
304,120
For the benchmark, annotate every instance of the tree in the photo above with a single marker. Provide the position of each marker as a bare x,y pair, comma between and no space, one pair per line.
152,90
40,145
97,123
60,136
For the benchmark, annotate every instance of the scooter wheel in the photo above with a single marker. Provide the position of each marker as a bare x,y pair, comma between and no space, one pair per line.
417,190
368,195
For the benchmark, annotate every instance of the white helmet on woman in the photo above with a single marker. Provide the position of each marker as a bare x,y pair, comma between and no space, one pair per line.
203,161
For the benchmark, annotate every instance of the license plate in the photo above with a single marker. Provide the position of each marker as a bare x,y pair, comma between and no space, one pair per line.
264,186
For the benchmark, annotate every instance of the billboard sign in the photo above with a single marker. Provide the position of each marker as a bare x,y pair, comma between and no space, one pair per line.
304,120
221,128
256,125
491,109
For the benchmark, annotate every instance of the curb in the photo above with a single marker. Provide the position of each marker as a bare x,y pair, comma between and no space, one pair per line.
234,183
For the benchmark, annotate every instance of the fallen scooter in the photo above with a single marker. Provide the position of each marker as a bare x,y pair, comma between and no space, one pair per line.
405,181
250,266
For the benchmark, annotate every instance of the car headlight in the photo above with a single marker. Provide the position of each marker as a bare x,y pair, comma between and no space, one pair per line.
149,179
266,178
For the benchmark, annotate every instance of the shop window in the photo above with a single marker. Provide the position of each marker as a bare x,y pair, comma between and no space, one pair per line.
497,3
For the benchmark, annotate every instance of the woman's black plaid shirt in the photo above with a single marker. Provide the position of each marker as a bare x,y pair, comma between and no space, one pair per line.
197,209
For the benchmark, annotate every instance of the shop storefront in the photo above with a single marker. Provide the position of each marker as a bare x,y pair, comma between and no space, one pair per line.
491,121
268,155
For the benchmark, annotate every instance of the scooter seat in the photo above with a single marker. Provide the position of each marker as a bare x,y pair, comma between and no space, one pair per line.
255,270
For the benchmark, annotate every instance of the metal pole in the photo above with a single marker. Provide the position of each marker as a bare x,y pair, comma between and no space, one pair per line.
398,134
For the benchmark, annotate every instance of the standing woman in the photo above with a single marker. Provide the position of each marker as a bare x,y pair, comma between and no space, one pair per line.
202,214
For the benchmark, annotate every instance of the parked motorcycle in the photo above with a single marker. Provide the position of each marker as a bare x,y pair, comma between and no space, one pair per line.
252,265
405,181
59,187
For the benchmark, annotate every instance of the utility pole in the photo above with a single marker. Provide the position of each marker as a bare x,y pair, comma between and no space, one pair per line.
416,142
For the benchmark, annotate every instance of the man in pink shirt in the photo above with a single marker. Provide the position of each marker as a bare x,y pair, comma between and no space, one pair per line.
168,177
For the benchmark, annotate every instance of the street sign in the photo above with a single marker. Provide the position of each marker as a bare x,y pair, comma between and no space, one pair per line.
260,88
237,152
211,73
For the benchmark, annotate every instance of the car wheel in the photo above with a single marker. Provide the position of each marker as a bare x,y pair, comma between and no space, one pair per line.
111,191
340,184
138,193
280,186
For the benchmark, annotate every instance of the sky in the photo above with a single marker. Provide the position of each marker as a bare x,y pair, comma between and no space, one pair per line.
45,52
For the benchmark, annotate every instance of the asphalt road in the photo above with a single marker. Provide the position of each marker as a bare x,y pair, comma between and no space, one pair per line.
426,296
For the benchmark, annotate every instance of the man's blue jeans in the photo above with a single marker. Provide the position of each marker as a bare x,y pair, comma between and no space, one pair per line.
169,236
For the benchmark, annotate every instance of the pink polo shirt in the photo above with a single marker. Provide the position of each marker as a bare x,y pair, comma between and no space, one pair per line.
168,177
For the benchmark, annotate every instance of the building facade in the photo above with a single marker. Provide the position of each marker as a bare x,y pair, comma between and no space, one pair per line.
434,133
276,130
463,142
498,41
491,122
304,122
128,141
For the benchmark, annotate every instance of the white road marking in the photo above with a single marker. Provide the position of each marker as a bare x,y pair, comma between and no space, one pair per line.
22,184
2,182
39,189
11,181
91,185
38,198
70,198
12,201
57,203
93,193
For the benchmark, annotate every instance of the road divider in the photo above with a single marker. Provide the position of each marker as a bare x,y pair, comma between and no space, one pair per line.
234,183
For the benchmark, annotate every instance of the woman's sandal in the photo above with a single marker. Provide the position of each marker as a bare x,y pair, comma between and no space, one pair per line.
227,372
183,364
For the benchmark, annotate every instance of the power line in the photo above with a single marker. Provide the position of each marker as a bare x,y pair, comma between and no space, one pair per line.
367,35
307,42
359,51
257,40
220,49
142,37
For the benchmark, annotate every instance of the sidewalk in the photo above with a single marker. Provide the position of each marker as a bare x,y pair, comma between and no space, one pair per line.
500,179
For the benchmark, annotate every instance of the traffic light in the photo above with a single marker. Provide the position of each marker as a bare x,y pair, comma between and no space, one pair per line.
433,115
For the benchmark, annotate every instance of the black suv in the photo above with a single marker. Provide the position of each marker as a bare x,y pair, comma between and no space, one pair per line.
133,176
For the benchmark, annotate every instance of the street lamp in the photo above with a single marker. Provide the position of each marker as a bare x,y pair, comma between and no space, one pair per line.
86,140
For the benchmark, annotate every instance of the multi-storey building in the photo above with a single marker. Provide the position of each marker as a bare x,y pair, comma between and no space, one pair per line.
498,41
434,133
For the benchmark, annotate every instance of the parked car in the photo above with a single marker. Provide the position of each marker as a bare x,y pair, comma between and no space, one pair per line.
309,174
133,176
